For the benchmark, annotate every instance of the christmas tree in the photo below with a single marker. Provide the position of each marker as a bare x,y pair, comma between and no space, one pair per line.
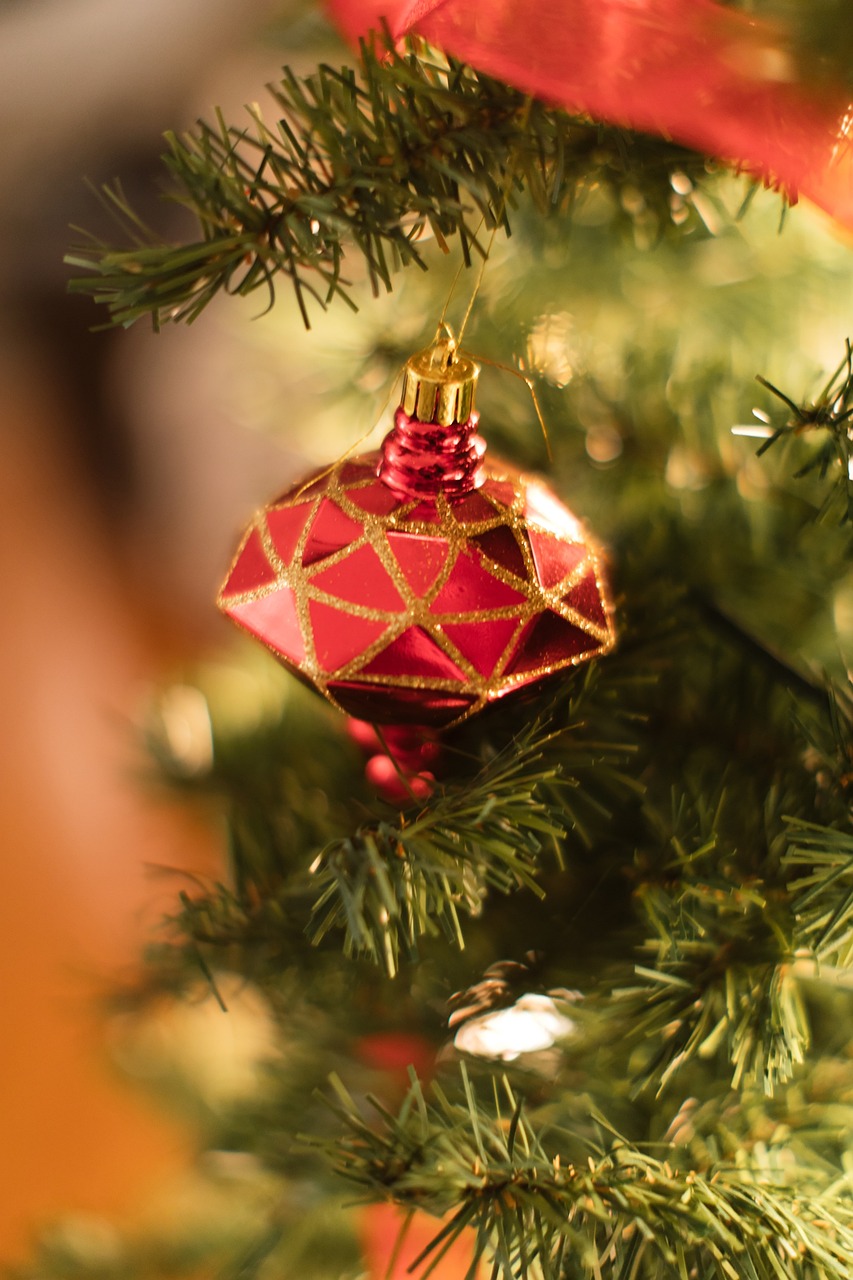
561,988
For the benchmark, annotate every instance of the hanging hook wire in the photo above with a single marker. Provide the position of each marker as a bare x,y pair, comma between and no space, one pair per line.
500,215
444,327
528,382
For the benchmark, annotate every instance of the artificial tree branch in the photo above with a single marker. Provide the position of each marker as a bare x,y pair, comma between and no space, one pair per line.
552,1203
826,425
404,876
366,163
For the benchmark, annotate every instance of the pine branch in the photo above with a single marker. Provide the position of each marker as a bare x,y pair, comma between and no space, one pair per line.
369,162
823,895
829,754
396,882
731,894
717,974
512,796
392,883
825,424
554,1205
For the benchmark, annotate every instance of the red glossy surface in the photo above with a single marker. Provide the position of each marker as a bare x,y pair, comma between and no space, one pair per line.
274,620
502,547
472,509
420,458
285,526
544,508
414,653
339,637
555,558
482,643
375,499
503,491
471,588
586,599
717,78
423,513
331,531
547,641
363,468
400,762
389,704
421,559
362,579
395,786
252,569
420,609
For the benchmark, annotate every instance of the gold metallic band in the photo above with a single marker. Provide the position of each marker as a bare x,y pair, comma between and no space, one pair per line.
439,383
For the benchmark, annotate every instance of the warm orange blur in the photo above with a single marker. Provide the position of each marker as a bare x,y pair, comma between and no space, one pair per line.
86,89
77,832
392,1244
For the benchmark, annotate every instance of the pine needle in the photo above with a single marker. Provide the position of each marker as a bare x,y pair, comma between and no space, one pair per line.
617,1208
366,161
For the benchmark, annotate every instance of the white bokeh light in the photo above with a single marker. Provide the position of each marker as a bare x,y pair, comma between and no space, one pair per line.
533,1023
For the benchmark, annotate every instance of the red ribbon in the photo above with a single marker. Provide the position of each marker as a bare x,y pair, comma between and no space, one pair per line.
714,79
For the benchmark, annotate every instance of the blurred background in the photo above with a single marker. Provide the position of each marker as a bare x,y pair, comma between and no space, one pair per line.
115,523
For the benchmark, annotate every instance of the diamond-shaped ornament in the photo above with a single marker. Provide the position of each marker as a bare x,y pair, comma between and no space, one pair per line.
417,584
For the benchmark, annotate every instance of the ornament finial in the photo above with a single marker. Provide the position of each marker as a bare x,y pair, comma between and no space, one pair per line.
418,584
439,382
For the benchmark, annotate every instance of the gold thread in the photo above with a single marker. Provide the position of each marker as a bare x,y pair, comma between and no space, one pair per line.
528,382
442,322
499,217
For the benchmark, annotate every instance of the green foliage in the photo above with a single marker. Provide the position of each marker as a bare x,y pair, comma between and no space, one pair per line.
731,892
398,879
394,882
391,883
826,424
717,970
823,901
552,1203
719,884
674,889
367,162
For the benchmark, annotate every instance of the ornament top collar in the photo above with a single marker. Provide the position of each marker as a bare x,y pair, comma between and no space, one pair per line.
439,383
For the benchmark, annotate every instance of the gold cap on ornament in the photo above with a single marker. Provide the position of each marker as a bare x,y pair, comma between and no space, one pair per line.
439,383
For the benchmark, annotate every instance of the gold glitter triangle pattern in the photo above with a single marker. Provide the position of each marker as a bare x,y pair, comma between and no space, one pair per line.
411,610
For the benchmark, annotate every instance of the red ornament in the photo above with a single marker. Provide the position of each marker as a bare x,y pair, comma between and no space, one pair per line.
418,584
401,761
